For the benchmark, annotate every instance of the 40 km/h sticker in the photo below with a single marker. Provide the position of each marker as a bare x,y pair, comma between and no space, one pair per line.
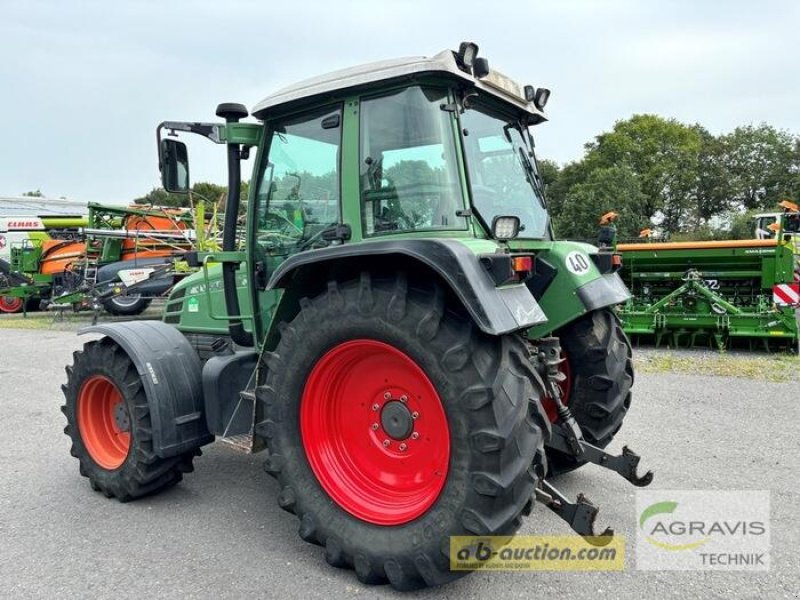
577,263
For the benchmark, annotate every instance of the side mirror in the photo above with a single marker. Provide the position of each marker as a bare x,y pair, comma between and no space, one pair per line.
174,165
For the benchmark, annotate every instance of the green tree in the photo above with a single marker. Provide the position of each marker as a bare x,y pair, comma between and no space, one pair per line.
416,207
210,194
713,193
549,172
607,189
160,197
558,189
663,154
34,194
742,226
762,165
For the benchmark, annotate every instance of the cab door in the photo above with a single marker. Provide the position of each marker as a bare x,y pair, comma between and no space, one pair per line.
298,194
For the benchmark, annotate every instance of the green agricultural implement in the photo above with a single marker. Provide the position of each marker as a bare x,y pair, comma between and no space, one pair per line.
718,293
396,328
119,259
29,230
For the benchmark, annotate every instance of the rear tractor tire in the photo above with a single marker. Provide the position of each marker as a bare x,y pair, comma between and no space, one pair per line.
108,421
392,423
599,376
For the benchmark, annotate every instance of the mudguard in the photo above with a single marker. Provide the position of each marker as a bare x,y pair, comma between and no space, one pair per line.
607,290
227,413
495,310
569,284
171,373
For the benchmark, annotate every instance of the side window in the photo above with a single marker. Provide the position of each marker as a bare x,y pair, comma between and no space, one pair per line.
298,195
763,231
409,174
791,223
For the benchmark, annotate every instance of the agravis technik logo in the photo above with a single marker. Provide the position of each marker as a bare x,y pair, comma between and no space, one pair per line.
704,530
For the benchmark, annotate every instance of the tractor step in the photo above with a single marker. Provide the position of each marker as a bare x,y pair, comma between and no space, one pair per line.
580,515
243,442
244,410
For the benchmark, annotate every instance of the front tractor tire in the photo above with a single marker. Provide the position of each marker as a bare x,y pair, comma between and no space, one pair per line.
599,374
392,423
108,421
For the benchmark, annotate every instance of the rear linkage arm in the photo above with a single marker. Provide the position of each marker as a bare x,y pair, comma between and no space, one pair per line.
567,437
580,515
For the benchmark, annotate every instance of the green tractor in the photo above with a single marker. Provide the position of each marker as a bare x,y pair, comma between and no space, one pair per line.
390,321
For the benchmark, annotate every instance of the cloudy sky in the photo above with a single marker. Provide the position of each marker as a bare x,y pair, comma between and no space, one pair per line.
83,84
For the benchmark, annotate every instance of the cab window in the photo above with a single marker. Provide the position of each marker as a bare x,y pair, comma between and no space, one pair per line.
298,194
409,176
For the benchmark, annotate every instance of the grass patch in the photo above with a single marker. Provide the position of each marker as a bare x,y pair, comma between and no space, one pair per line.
769,367
45,321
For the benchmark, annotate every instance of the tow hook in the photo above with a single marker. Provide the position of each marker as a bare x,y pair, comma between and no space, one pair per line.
567,437
625,464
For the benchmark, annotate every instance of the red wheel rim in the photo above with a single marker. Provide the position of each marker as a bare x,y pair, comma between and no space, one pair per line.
104,422
565,386
10,304
375,432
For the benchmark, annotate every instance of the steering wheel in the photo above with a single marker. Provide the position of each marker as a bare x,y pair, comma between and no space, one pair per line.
420,188
278,230
287,224
304,244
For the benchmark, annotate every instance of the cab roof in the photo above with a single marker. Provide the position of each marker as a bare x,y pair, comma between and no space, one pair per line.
365,76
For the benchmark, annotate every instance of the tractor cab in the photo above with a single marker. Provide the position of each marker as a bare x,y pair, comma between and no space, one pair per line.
405,149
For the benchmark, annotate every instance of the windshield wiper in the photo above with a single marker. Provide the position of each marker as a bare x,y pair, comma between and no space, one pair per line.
531,175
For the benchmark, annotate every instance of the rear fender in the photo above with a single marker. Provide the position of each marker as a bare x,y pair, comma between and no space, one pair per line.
495,310
171,374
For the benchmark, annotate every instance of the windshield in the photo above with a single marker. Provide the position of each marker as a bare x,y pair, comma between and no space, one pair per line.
502,171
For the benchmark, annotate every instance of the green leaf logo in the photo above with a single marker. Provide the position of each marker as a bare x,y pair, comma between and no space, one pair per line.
661,508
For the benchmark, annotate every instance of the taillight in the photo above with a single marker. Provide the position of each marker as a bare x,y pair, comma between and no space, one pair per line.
504,268
522,264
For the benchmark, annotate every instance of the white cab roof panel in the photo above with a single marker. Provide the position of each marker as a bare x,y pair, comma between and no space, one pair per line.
443,63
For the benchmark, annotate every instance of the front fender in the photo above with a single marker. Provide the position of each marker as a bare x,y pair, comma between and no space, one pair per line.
171,374
568,285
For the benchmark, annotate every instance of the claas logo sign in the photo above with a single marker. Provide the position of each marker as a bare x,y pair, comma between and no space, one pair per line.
21,224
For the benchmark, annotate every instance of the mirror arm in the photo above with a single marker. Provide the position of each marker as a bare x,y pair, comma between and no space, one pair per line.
211,131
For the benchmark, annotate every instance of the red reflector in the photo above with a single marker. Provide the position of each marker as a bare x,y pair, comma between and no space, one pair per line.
522,264
616,259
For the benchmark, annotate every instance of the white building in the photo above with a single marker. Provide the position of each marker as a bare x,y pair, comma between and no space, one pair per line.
28,206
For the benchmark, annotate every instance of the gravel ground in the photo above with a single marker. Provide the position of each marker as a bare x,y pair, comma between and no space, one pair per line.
220,533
